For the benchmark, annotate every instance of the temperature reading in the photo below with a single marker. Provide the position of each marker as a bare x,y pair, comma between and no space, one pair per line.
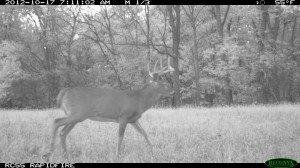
279,2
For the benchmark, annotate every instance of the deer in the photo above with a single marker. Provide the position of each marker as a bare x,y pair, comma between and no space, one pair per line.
109,105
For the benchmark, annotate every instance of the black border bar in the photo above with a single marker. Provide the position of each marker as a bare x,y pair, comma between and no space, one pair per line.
131,165
148,2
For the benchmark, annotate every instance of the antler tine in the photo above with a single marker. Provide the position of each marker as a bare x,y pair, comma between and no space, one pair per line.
155,67
167,69
162,70
149,71
169,65
154,71
161,66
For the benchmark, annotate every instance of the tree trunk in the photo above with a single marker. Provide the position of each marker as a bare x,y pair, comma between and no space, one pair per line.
276,25
175,25
220,24
190,12
148,37
293,31
263,26
196,65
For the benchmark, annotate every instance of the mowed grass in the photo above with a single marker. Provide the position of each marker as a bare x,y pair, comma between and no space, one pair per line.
220,134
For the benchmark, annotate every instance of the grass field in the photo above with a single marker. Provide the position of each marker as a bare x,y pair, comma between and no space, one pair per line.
220,134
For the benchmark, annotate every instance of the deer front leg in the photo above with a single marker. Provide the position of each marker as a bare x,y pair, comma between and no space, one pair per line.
122,127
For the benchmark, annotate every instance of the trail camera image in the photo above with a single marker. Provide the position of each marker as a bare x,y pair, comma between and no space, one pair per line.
97,82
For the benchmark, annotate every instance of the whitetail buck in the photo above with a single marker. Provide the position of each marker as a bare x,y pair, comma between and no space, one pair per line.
108,105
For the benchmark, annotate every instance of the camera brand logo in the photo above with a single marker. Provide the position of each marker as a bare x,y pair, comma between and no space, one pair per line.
281,162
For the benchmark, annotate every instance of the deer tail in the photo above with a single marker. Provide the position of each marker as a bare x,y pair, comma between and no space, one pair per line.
60,96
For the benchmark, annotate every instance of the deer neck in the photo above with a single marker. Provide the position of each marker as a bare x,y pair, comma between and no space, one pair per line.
149,97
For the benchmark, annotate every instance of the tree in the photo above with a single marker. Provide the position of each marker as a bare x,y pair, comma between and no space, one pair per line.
193,14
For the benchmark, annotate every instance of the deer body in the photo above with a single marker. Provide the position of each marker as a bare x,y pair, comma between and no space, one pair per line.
107,105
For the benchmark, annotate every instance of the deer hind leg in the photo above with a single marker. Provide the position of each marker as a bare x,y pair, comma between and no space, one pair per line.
58,123
63,135
55,127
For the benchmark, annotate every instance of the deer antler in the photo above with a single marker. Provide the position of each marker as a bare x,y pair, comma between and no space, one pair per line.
154,72
162,70
148,65
167,69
